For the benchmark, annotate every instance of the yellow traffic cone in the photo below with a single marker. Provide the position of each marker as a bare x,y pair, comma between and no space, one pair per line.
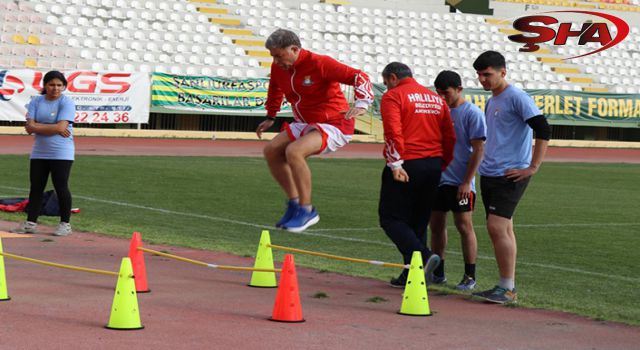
264,260
3,280
125,314
414,300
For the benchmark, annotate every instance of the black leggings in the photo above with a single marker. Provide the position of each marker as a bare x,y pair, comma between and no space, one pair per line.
39,174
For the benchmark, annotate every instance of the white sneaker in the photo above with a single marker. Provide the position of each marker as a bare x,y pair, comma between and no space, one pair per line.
26,227
64,229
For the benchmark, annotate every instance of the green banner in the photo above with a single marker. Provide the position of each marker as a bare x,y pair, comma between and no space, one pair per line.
220,95
207,94
568,107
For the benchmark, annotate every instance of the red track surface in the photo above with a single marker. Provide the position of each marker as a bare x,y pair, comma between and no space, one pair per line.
191,307
189,147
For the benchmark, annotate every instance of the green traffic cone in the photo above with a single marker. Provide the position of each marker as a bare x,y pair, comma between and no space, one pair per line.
415,301
264,260
125,314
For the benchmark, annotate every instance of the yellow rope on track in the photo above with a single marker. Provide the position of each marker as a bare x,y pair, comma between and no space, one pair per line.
202,263
337,257
62,266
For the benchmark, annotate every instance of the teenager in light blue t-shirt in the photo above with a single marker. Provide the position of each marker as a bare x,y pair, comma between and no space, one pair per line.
49,118
457,192
508,164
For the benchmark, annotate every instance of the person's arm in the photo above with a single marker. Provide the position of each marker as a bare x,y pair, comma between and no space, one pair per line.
448,137
273,105
275,95
390,111
464,190
30,116
65,116
48,129
542,129
362,87
476,128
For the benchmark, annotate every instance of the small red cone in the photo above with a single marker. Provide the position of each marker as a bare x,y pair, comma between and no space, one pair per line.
137,262
287,307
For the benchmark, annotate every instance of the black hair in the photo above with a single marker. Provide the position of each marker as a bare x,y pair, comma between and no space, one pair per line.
447,79
488,59
54,74
401,70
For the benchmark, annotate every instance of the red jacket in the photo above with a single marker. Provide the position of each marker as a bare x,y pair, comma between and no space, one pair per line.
312,87
417,124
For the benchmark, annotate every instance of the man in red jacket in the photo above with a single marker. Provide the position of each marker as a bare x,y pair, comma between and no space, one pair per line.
419,141
323,120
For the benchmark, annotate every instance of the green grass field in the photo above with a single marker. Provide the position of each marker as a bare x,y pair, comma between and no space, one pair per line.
577,226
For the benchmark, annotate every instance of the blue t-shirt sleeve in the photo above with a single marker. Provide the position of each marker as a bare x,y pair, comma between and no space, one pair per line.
32,108
476,124
67,110
525,106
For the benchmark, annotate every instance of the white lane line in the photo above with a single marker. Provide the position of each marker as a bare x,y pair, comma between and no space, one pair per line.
596,224
324,235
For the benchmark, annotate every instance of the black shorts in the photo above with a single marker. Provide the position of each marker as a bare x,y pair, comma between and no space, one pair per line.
500,195
447,199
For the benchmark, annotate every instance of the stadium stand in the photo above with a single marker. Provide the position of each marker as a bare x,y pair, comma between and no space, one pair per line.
226,37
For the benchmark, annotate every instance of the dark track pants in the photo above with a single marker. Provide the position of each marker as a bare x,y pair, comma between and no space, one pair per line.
405,208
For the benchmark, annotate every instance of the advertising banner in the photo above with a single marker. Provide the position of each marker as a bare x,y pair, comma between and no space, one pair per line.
100,97
207,94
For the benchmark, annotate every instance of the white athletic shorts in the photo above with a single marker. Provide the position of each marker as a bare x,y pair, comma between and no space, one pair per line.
332,137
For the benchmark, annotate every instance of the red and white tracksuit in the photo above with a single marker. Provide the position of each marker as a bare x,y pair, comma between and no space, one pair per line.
312,87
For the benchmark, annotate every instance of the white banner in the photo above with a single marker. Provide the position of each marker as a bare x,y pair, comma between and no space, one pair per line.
100,97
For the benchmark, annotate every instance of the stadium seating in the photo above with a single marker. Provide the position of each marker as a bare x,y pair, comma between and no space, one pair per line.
204,37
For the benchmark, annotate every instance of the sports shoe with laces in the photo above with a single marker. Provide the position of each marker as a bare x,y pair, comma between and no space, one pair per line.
432,263
26,227
439,279
467,283
63,229
483,294
498,295
401,280
301,220
292,207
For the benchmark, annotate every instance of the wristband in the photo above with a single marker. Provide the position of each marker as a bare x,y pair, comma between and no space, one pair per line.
273,119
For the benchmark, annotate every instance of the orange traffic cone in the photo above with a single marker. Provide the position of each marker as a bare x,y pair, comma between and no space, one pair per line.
287,307
137,261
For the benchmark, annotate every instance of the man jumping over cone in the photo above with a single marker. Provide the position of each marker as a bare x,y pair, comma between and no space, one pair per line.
323,120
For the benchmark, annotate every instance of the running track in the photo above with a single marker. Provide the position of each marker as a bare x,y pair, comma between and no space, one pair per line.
220,148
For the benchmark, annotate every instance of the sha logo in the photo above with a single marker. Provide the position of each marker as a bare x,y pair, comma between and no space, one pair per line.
590,32
307,81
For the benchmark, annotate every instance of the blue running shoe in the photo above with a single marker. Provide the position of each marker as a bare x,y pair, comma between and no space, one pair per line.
292,207
498,295
467,283
301,220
